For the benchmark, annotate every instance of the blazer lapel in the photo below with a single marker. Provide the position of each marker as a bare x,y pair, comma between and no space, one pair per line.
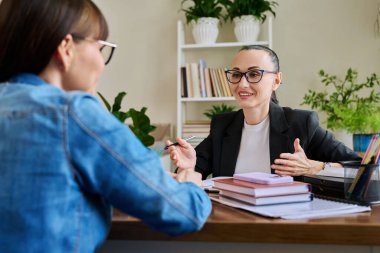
278,140
231,145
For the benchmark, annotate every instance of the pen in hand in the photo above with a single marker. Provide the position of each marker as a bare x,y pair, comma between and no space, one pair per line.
176,143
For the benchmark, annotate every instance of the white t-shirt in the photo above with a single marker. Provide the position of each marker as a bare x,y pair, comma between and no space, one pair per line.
254,148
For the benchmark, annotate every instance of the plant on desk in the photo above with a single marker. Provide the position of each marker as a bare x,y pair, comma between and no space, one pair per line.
345,107
141,126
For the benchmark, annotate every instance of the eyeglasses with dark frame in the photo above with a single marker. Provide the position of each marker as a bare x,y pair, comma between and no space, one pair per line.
106,49
252,76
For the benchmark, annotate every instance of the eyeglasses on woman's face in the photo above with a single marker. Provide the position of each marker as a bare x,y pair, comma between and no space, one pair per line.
252,76
106,48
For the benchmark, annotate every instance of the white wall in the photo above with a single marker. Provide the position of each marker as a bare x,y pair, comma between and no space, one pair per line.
308,35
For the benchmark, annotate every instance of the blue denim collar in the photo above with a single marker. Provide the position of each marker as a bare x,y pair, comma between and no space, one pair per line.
27,78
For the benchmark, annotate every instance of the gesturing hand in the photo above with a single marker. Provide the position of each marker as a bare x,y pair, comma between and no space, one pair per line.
182,155
296,164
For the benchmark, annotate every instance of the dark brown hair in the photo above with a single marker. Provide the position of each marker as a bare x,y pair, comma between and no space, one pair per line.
274,58
32,30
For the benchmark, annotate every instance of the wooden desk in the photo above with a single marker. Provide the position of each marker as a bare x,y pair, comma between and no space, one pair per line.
228,224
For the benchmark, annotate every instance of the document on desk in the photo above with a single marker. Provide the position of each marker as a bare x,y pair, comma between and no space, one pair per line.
318,208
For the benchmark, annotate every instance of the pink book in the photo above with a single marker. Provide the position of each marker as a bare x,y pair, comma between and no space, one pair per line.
263,178
261,190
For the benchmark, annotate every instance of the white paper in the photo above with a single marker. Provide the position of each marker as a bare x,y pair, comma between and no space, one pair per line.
318,208
210,182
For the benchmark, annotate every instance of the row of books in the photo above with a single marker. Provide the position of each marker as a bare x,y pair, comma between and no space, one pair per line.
197,80
249,191
199,129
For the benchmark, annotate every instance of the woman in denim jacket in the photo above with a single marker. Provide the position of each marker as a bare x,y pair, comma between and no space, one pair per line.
64,159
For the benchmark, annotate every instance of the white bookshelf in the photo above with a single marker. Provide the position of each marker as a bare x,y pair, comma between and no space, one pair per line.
184,50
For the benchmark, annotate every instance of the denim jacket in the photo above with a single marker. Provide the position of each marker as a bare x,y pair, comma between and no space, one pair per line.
65,160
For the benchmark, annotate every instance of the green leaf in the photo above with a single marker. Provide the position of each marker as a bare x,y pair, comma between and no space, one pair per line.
202,8
352,105
257,8
141,126
117,102
105,101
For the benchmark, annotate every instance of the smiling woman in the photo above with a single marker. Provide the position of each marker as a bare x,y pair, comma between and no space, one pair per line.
262,136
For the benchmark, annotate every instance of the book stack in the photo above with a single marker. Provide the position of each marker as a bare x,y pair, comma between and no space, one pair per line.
199,129
257,188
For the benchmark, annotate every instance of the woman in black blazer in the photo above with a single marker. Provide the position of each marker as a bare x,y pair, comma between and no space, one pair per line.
289,142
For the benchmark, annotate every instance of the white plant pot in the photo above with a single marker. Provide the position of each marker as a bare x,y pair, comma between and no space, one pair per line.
205,30
247,28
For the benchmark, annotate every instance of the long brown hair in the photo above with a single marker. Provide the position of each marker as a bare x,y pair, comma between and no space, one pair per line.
36,29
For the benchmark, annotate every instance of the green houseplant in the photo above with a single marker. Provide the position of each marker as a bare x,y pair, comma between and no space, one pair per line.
202,8
140,126
346,107
256,8
216,109
247,16
204,16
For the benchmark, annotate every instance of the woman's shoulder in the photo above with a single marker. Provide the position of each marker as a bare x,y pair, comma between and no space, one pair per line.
288,116
297,114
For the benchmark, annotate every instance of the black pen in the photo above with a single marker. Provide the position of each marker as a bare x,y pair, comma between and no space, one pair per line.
176,143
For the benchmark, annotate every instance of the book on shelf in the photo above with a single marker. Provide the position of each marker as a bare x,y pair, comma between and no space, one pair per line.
292,198
202,81
195,130
261,190
198,80
195,81
189,84
209,92
183,83
196,140
212,81
263,178
223,82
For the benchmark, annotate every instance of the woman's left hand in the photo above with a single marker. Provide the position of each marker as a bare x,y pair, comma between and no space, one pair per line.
188,175
296,164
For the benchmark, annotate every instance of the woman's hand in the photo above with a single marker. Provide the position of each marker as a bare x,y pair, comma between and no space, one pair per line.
183,155
296,164
189,175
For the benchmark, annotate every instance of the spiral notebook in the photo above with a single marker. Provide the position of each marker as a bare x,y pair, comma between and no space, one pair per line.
318,208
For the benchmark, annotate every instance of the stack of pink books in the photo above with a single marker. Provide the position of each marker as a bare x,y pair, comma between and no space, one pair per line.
258,188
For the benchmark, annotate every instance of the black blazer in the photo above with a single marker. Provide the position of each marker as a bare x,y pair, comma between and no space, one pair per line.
217,154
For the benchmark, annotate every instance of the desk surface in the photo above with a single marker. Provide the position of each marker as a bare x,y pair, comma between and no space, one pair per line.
227,224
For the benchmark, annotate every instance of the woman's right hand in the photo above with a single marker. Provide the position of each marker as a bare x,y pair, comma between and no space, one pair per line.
183,155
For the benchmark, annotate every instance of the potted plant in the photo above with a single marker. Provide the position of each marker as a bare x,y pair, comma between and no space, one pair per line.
346,106
204,16
140,126
216,109
247,16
